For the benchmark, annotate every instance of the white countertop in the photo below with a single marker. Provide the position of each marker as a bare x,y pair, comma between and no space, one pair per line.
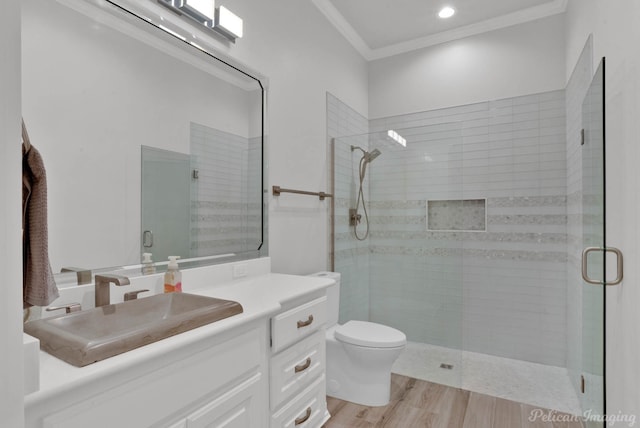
260,296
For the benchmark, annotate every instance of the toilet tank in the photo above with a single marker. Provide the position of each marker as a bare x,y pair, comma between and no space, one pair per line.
333,297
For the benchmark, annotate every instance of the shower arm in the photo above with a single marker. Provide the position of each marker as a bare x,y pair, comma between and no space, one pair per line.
359,148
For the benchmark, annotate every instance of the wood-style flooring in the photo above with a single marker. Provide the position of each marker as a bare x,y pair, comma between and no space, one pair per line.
417,403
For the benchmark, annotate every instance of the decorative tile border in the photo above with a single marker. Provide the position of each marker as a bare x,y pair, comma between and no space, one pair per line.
511,237
225,218
351,252
520,219
219,230
238,244
398,204
515,255
204,205
500,202
528,201
398,219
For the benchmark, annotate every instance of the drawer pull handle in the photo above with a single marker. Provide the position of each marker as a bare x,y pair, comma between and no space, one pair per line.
303,419
302,367
305,323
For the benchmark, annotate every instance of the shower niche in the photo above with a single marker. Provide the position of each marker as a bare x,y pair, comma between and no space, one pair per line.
468,215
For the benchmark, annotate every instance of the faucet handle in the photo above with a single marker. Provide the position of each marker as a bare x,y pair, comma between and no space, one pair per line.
133,295
70,307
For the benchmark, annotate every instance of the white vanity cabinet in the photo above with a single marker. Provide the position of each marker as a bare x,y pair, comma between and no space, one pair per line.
237,408
222,385
262,368
298,363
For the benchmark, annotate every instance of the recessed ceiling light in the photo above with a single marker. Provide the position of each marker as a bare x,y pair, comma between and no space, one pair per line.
446,12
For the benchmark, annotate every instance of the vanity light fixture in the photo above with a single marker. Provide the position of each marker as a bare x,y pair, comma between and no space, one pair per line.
397,137
219,19
446,12
229,23
202,11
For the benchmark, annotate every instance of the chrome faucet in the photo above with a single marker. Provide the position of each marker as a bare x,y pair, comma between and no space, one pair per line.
103,294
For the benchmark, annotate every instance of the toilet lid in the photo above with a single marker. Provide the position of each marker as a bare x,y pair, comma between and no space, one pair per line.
370,334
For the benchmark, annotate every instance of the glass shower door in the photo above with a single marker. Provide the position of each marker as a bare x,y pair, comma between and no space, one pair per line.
593,235
407,273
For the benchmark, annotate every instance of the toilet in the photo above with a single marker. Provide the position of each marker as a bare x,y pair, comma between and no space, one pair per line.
359,354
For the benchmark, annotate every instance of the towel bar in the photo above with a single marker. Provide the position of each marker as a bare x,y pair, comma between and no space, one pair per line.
277,190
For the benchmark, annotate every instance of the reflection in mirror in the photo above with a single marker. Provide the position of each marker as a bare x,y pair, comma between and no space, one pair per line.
202,204
99,83
225,192
166,203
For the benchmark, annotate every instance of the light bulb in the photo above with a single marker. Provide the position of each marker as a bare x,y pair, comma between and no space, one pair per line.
446,12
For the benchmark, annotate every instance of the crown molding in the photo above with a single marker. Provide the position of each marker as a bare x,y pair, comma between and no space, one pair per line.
341,24
525,15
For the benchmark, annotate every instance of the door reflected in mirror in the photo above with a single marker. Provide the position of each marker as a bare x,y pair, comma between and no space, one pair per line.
205,202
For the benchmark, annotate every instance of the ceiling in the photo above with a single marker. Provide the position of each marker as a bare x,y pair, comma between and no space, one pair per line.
382,28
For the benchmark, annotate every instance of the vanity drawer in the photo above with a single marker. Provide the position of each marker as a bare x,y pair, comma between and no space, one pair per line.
308,410
294,324
295,368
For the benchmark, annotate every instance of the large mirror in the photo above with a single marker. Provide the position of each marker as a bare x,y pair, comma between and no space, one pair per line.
140,131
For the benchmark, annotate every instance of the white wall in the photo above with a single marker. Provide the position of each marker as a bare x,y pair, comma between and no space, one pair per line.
11,365
509,62
616,32
312,60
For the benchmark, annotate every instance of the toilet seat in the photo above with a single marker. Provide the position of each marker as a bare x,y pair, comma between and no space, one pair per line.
370,335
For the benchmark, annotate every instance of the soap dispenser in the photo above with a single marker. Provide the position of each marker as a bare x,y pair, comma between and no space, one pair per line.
147,264
173,277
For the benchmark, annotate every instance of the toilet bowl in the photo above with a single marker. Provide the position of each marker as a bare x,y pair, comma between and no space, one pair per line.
359,355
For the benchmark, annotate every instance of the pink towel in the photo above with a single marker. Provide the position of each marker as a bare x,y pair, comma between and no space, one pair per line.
39,287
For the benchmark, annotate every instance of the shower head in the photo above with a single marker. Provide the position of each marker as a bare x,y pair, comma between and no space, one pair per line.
370,156
367,156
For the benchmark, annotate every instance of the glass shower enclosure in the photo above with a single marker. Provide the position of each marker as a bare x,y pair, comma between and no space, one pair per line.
593,235
467,245
408,272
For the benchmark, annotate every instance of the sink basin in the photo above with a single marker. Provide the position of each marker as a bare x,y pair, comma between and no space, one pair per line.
84,337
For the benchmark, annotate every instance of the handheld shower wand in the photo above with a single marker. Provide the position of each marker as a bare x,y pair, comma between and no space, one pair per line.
354,217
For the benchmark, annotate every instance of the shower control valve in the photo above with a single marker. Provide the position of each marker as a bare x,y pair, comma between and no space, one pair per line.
354,217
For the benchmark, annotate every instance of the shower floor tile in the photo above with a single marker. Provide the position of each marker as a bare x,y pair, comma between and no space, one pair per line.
521,381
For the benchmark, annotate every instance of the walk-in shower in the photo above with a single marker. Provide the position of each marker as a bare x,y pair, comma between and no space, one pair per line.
468,244
354,216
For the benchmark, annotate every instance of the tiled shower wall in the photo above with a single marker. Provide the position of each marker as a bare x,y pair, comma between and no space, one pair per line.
501,291
225,198
351,255
511,299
